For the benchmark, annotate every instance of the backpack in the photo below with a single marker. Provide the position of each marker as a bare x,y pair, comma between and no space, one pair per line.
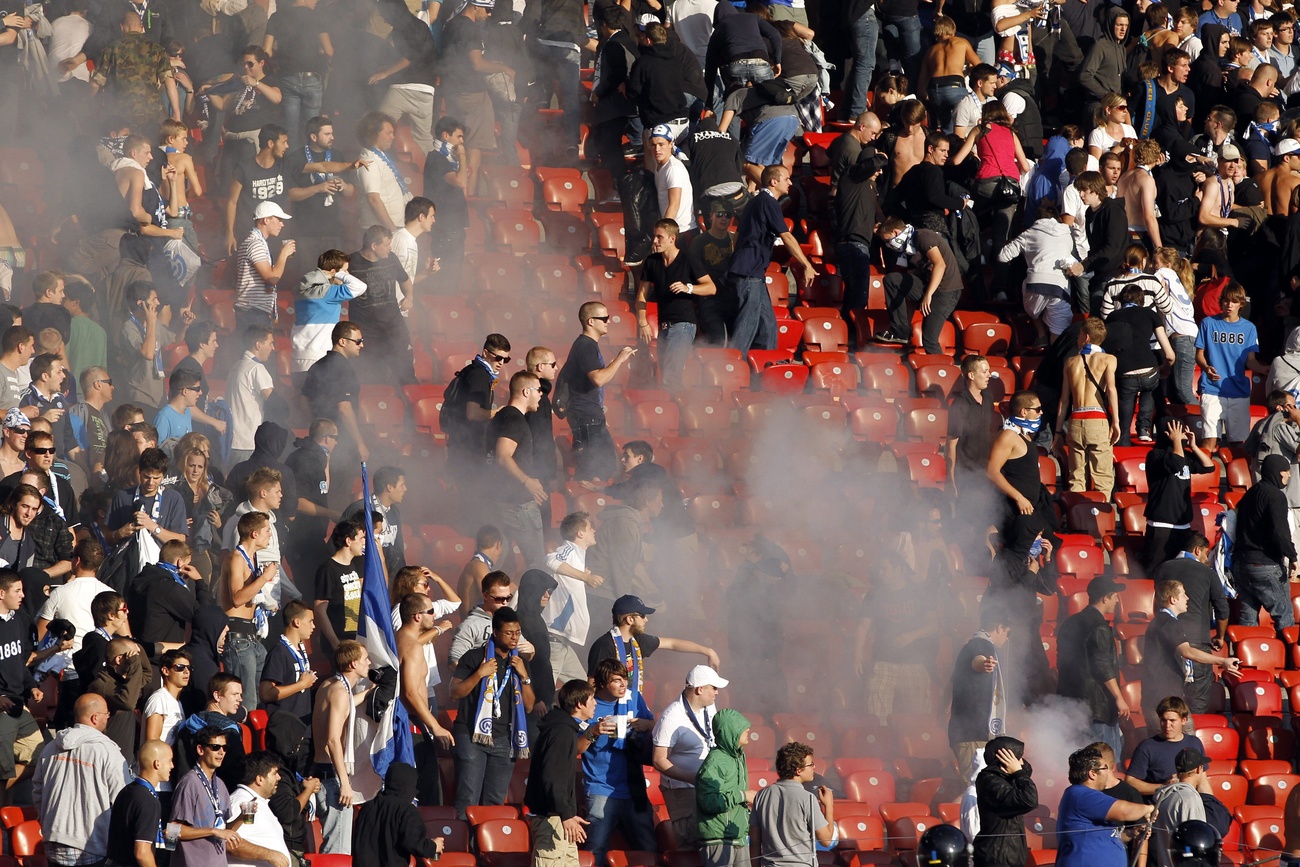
1221,555
451,415
561,397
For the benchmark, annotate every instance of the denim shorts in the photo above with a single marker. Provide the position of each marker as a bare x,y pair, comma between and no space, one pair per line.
768,140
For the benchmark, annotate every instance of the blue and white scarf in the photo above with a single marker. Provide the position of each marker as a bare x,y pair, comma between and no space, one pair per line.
489,705
445,149
388,161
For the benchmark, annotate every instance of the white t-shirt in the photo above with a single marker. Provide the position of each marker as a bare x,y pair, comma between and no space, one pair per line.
671,175
566,613
1072,204
379,178
250,289
265,830
441,608
163,702
1099,138
71,601
67,36
968,112
406,249
248,379
682,731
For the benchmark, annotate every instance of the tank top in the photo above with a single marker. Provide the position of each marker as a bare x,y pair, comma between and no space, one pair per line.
1022,473
997,154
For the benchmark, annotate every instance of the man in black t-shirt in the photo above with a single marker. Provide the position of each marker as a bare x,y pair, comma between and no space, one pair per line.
932,280
715,165
296,38
1130,330
512,486
135,822
711,253
1168,652
671,280
630,618
584,377
316,189
446,177
338,584
287,677
464,85
470,409
331,388
256,180
378,311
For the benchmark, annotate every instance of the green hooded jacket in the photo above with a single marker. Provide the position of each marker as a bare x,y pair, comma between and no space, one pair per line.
722,781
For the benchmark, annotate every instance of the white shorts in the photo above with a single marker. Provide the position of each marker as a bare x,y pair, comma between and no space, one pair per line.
1231,414
1055,312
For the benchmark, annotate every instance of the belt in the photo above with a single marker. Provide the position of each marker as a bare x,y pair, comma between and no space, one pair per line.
324,770
749,61
242,626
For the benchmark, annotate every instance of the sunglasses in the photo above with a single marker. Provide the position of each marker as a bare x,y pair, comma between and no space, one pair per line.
430,611
600,318
359,341
180,666
193,388
104,381
249,64
502,599
1121,108
500,359
219,748
41,450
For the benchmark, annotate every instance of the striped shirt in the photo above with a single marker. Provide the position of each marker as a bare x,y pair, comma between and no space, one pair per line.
251,291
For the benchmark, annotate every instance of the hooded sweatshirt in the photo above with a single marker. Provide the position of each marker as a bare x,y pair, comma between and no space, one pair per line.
656,85
1103,69
1263,534
1206,78
1276,435
81,769
269,443
552,789
472,632
317,306
1044,244
205,660
722,782
1002,800
1285,373
388,831
1176,201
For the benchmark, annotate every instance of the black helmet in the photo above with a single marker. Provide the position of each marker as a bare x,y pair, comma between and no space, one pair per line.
1195,841
943,846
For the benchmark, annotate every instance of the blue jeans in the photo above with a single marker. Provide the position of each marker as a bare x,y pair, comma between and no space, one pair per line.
755,326
945,98
1180,379
482,773
737,74
244,657
1109,734
675,342
606,815
908,32
855,272
865,32
335,819
558,67
1263,585
301,94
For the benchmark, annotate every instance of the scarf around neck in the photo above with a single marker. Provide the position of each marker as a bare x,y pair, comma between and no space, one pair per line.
489,705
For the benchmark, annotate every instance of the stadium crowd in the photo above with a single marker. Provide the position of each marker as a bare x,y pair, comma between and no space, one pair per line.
866,325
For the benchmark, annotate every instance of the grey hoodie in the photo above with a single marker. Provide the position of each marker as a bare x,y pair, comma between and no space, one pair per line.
1175,803
1044,244
77,777
1103,69
472,632
1285,373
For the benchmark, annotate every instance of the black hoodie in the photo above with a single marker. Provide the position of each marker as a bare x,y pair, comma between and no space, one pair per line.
1206,78
656,85
1002,799
269,442
289,740
205,659
552,789
309,464
535,584
388,831
1263,535
1176,200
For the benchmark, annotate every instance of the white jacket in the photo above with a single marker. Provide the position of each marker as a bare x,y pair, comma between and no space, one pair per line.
77,777
1044,244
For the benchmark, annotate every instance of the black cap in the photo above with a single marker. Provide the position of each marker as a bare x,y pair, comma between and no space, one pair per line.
1102,586
631,605
1188,760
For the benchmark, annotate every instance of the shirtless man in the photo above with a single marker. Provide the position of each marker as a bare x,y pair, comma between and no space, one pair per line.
1218,193
1093,428
417,632
1157,37
336,704
245,654
1138,190
132,184
1279,182
173,139
489,545
944,68
909,145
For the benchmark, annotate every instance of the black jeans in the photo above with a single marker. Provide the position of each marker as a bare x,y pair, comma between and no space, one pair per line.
1136,389
593,450
901,288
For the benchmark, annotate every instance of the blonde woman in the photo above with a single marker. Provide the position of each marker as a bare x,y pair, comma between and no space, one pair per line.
1112,124
204,502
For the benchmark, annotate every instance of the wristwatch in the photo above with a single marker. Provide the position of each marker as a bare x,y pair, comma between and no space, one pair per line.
527,681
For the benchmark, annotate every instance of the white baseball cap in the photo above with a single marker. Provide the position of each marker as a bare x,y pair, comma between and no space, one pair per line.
703,675
270,209
1286,146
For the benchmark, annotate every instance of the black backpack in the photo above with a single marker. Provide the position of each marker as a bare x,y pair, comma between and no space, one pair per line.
451,417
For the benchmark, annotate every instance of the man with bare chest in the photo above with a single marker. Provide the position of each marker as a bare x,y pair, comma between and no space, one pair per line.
1138,190
1279,183
1093,427
944,69
909,144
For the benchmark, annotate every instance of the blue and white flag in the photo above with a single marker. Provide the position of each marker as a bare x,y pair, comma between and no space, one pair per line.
392,741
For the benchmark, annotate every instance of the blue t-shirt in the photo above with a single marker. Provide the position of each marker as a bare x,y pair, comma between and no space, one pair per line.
604,764
1226,345
1084,837
760,225
172,424
1232,22
1153,760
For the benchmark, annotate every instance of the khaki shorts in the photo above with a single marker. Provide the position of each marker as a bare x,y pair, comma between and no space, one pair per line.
550,849
26,737
475,111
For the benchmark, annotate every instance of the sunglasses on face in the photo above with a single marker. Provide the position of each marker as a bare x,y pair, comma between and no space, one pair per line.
502,599
180,666
359,341
41,450
219,748
600,318
499,359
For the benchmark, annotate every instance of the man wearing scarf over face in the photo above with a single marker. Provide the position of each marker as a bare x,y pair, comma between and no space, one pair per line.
1026,535
1176,201
495,694
388,831
932,281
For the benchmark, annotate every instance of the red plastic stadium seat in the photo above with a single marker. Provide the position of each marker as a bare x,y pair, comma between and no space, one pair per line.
926,425
1231,789
1266,654
514,231
454,832
1082,561
783,378
1219,743
826,334
25,838
503,837
865,833
729,374
870,787
1266,835
658,418
480,813
565,194
321,859
508,184
937,380
1260,699
704,414
837,376
906,832
1131,475
927,471
887,377
986,338
872,419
